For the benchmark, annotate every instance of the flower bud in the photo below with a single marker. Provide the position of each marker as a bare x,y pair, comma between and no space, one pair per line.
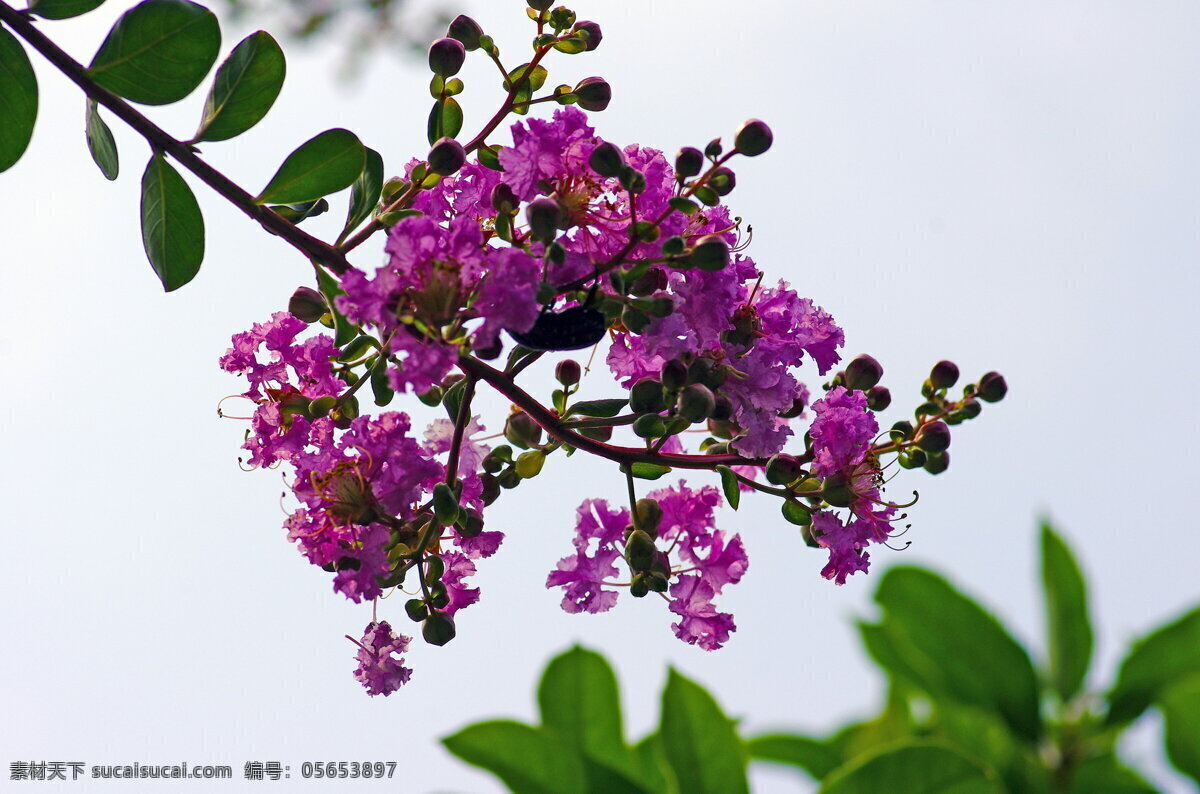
568,372
863,372
634,181
992,387
696,403
491,488
723,181
562,18
435,567
662,306
934,437
634,319
936,464
688,162
649,515
649,426
503,199
473,525
836,491
970,408
543,216
710,253
446,57
796,513
465,30
540,5
521,431
878,398
445,504
438,629
640,550
416,609
753,138
674,375
783,469
509,479
307,304
649,282
944,375
640,586
593,94
446,157
594,34
913,458
607,160
321,406
646,397
797,408
722,408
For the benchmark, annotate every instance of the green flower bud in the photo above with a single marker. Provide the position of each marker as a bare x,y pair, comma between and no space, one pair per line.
433,397
447,156
509,479
797,408
710,253
662,306
634,181
863,372
688,162
796,513
640,586
640,550
696,403
913,458
529,464
648,283
321,406
753,138
521,431
649,426
634,320
646,397
416,609
936,464
544,216
568,372
723,181
434,569
674,375
944,375
503,199
934,437
594,34
473,525
540,5
649,514
878,398
446,57
783,469
593,94
307,304
607,160
722,409
465,30
992,387
445,504
438,629
713,149
836,491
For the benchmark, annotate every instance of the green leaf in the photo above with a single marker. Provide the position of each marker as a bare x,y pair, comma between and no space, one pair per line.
322,165
525,758
651,764
648,471
1168,654
605,409
1068,626
1180,706
100,142
62,9
172,226
489,157
445,120
245,88
729,484
603,779
158,51
814,756
343,329
913,768
954,648
699,741
365,192
1105,774
581,705
18,100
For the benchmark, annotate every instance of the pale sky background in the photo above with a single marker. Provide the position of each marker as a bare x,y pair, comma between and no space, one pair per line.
1010,185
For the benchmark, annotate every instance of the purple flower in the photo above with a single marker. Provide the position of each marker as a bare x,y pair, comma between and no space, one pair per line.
458,568
583,575
508,296
542,150
700,623
842,431
380,668
846,555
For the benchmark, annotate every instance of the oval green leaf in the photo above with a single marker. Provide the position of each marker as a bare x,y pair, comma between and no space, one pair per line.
172,226
325,164
699,741
1068,626
158,51
63,9
100,142
729,484
1180,706
1105,774
918,768
814,756
525,758
445,120
364,193
580,704
605,409
245,88
956,649
648,471
1169,654
18,100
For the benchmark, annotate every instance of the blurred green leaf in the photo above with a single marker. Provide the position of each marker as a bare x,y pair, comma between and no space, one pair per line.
62,9
1166,655
18,100
525,758
101,143
1180,706
580,704
651,763
1068,625
954,648
322,165
172,226
817,758
729,484
916,768
601,778
365,192
158,51
245,88
699,741
1105,774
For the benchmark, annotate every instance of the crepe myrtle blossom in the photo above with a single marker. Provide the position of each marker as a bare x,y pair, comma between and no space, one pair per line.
503,251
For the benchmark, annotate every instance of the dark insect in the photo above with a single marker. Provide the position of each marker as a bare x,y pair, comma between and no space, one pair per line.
569,329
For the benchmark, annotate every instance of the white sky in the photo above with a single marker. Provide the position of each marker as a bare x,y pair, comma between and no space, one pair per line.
1009,185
